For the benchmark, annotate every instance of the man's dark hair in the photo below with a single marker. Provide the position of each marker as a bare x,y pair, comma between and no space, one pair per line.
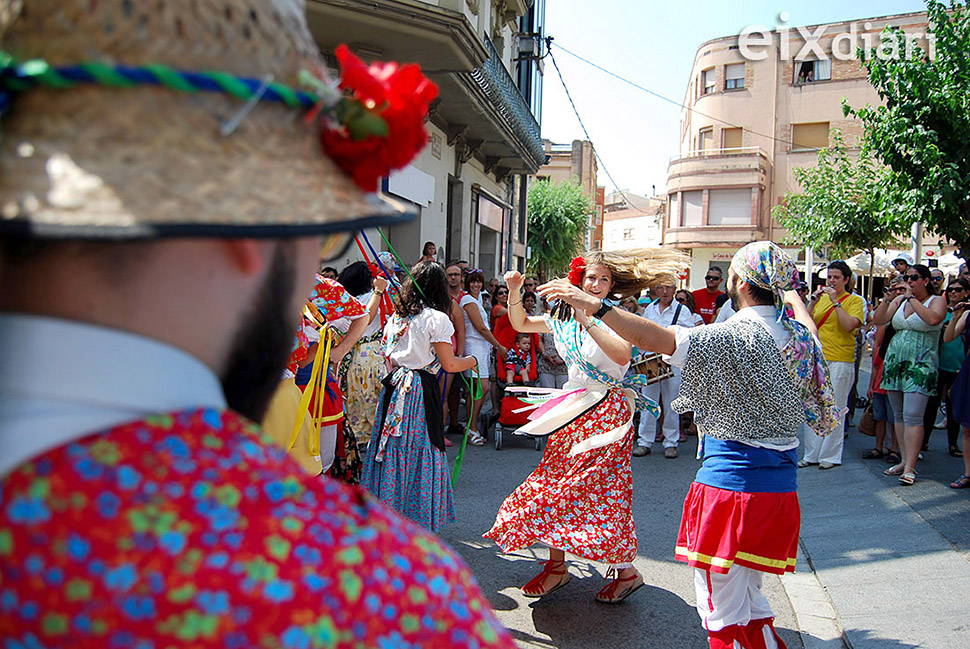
843,268
717,269
433,292
356,278
761,296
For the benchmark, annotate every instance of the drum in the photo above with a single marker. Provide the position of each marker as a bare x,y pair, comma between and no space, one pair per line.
653,367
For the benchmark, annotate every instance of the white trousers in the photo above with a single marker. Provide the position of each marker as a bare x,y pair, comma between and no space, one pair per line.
663,393
328,446
734,598
829,449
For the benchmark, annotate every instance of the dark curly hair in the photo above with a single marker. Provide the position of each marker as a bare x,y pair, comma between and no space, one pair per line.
356,278
430,277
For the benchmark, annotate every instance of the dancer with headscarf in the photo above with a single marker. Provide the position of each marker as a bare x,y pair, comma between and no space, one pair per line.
751,382
578,500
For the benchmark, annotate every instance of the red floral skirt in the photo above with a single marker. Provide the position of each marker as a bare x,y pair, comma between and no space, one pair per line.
721,528
579,504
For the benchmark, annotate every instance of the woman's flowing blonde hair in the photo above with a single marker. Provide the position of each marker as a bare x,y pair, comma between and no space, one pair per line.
635,269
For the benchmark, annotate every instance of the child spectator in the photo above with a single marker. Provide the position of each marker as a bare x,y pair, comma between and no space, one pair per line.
517,360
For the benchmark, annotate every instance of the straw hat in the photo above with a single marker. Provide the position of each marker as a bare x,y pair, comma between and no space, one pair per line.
145,161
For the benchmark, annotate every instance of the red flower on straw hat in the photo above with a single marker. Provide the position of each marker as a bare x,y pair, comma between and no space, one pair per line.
577,267
384,128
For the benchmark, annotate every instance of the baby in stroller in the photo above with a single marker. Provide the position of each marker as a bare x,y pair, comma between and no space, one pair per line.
518,360
520,369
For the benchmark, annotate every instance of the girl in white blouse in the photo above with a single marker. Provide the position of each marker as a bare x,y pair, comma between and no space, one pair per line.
406,466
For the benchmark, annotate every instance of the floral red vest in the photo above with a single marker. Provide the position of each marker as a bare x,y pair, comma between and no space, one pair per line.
192,529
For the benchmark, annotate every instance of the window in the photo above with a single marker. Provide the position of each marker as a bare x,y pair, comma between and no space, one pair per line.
673,218
812,71
734,76
693,208
809,136
729,207
705,139
707,81
731,139
628,234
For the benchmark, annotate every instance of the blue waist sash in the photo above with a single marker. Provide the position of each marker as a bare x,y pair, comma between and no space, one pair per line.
735,466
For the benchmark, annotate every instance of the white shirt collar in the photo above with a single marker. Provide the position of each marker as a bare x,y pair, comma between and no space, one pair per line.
767,315
62,380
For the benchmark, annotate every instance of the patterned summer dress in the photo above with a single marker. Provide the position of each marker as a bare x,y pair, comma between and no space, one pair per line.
912,360
580,504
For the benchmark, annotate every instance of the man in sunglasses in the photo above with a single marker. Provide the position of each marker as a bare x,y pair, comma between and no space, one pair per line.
704,298
937,278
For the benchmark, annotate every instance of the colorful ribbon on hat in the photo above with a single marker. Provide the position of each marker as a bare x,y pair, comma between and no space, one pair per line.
357,133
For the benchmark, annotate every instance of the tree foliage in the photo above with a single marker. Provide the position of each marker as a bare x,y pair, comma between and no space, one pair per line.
923,131
846,204
558,221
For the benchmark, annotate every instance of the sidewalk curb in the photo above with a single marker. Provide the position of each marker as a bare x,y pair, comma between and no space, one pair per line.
815,614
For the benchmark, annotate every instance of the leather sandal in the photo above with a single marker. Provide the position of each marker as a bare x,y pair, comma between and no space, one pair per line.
961,483
620,588
550,568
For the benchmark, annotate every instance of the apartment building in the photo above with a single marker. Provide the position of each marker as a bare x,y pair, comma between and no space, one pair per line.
576,162
631,220
758,106
469,184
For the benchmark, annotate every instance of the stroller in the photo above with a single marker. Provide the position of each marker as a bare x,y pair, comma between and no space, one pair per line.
508,419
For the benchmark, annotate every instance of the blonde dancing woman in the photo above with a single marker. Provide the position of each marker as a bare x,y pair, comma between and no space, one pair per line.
578,500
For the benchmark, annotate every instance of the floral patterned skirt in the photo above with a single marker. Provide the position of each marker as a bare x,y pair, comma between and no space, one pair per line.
579,504
363,387
413,476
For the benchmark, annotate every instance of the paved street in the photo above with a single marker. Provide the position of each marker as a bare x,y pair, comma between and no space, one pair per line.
659,615
882,566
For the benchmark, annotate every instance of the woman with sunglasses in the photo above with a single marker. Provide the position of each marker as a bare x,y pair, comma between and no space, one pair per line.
912,362
500,305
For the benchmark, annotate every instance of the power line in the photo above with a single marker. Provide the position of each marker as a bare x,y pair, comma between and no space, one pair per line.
682,105
588,138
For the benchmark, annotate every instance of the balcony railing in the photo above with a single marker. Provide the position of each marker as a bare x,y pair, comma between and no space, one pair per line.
703,153
496,82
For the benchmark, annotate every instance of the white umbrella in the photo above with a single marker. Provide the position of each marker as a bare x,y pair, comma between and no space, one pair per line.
950,263
861,263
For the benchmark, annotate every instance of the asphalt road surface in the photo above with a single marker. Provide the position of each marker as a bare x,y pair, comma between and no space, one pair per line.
661,614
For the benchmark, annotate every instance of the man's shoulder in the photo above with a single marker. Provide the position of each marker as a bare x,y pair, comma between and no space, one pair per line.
200,503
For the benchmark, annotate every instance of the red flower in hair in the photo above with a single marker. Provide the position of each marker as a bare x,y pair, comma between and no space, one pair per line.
383,124
577,268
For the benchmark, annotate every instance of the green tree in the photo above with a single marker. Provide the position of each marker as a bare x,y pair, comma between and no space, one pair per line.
845,204
558,221
923,130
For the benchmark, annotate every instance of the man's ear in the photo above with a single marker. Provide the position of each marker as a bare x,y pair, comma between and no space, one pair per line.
249,256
